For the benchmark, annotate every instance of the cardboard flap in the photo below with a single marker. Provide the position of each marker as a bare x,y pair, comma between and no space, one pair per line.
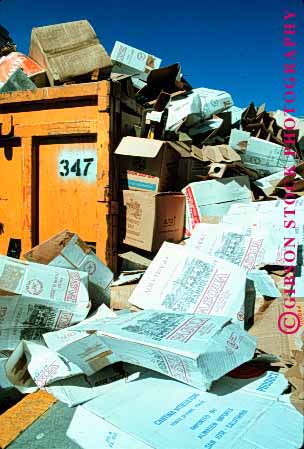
182,149
137,146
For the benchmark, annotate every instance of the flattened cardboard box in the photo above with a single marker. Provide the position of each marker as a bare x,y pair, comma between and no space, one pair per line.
159,413
184,346
152,218
149,164
182,279
35,298
67,250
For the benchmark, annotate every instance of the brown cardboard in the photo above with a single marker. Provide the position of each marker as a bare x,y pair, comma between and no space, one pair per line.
269,337
119,296
219,153
146,164
153,218
152,165
191,170
68,50
295,376
67,250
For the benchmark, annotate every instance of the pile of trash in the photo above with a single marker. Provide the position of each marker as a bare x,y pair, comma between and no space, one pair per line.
199,340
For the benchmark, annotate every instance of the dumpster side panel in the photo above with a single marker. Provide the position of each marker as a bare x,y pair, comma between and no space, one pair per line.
62,176
11,195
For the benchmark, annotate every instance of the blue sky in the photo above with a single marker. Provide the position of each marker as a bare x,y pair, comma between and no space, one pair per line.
233,45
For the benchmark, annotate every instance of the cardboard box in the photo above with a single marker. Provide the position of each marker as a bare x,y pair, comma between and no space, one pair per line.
182,279
67,250
153,218
191,170
192,107
36,298
184,346
157,413
148,164
68,50
131,61
263,156
214,198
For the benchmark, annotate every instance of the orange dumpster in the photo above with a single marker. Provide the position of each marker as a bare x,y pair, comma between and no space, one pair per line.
56,165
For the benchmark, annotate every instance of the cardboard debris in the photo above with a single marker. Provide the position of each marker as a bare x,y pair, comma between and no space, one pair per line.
88,352
230,417
133,261
148,164
4,381
260,155
271,339
182,346
214,198
68,50
195,106
295,376
122,289
153,218
67,250
219,153
131,61
188,164
15,60
165,79
120,296
17,81
36,298
191,170
242,245
32,367
181,279
264,284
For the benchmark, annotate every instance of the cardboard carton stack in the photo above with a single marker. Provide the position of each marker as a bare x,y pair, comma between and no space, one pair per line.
209,332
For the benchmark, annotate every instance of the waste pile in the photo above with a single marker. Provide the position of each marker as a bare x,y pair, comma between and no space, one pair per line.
198,341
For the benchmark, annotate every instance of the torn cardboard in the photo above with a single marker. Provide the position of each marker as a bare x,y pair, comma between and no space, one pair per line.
67,250
194,106
260,155
182,346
